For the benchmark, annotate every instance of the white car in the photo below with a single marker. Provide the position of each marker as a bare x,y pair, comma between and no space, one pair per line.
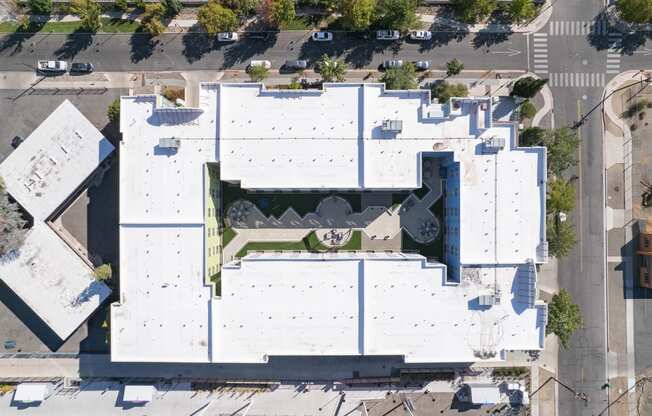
265,64
322,36
227,37
420,35
392,63
388,35
52,67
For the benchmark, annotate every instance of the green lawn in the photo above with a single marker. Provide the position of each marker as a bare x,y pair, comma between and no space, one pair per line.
227,236
309,243
299,23
108,26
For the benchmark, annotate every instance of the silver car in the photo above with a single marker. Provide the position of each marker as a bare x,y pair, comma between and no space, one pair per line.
422,65
392,63
421,35
388,34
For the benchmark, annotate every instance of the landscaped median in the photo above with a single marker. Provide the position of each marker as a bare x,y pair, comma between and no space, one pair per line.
108,26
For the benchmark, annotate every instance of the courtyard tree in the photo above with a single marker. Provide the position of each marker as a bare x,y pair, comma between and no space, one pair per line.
331,69
527,87
397,14
43,7
357,14
103,273
527,110
561,237
215,18
474,11
403,78
89,13
257,73
564,317
454,67
444,91
277,12
561,196
113,112
151,21
12,224
635,11
521,11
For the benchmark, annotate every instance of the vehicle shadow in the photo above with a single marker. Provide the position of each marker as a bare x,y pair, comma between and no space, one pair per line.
76,42
15,40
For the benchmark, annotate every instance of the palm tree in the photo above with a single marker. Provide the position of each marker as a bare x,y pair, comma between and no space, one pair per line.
331,69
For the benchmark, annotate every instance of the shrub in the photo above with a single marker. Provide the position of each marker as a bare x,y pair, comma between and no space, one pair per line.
171,94
403,78
454,67
103,273
528,110
113,112
257,73
331,69
444,91
527,87
40,6
641,115
532,136
121,5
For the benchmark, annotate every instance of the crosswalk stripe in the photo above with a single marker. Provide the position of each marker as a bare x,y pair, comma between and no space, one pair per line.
578,27
576,79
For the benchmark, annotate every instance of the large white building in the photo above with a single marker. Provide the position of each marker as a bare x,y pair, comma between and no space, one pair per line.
478,305
47,272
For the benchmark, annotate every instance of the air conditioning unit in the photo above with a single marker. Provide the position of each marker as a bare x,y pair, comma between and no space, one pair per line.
494,144
394,126
169,143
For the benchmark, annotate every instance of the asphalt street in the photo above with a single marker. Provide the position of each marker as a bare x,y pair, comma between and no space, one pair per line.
578,62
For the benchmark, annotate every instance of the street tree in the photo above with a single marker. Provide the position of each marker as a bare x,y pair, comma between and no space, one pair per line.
564,317
532,136
444,91
527,110
113,112
242,8
403,78
257,73
12,224
474,11
277,12
42,7
215,18
561,197
527,87
397,14
562,145
331,69
454,67
151,20
635,11
103,273
121,5
172,7
561,237
521,11
89,13
357,14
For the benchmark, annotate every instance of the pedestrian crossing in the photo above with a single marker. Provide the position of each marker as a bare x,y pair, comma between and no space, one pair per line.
540,52
577,79
613,54
578,27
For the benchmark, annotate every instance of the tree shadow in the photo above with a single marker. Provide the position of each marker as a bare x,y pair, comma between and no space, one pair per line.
440,39
488,39
253,43
596,38
196,45
15,40
142,45
76,42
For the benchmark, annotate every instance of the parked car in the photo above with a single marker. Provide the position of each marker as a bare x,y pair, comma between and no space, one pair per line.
296,64
420,35
227,37
422,65
82,67
52,67
392,63
322,36
388,34
262,63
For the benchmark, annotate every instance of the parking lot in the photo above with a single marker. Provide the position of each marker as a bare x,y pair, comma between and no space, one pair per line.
95,215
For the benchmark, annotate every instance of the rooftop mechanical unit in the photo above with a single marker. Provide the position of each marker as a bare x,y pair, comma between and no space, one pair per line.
169,143
494,144
393,126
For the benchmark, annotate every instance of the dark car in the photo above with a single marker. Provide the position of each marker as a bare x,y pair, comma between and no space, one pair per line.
82,67
296,64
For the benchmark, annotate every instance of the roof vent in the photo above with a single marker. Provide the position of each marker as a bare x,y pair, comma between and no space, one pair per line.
394,126
169,143
494,144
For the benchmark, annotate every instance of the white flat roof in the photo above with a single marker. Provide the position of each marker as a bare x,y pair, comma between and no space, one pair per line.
366,304
32,392
41,174
327,139
137,393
